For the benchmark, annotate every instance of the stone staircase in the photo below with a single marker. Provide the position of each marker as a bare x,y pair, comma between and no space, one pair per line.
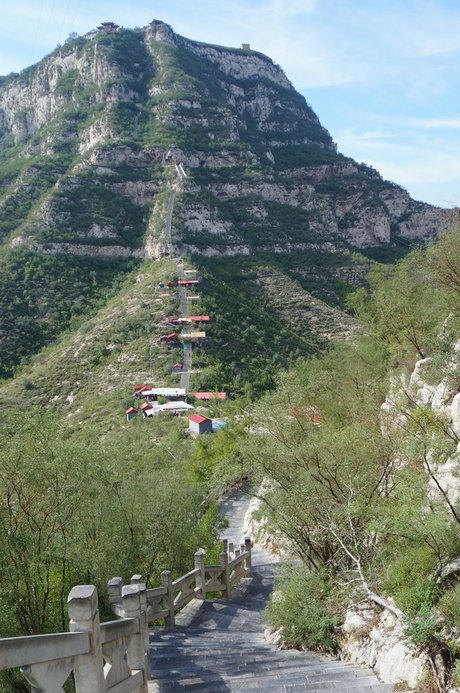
224,651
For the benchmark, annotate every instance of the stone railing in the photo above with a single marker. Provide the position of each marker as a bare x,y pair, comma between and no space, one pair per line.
114,656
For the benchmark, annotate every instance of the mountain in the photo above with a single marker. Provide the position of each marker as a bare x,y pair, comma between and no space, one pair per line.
126,146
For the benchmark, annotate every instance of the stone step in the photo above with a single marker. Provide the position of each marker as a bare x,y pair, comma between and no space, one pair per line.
224,651
266,685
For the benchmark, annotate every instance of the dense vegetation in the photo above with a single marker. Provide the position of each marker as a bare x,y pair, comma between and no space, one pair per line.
85,495
41,296
360,498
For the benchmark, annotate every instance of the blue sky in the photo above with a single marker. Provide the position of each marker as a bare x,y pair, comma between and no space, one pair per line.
382,75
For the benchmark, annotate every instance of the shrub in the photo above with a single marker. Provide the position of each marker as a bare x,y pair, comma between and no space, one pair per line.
449,605
409,580
419,628
304,608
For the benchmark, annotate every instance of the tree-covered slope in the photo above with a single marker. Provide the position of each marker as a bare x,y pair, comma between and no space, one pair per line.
369,498
95,137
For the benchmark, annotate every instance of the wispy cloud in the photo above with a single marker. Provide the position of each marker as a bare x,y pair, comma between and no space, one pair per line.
432,123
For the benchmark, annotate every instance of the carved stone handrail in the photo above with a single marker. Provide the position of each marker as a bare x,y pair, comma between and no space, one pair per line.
113,656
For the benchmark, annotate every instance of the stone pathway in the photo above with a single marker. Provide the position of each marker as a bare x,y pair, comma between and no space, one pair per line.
224,650
187,350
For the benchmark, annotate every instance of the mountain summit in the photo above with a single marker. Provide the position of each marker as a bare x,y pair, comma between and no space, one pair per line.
125,146
95,133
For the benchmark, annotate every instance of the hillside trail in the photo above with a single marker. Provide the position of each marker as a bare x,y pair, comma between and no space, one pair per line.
184,310
224,650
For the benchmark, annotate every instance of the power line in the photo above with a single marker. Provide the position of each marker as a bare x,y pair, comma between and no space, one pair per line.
61,31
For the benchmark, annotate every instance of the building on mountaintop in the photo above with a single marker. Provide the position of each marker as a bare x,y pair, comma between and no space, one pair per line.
111,27
198,424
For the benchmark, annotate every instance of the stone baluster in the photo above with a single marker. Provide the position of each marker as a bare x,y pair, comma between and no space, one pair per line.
201,577
137,580
47,676
230,550
84,618
166,581
223,560
247,548
134,599
114,587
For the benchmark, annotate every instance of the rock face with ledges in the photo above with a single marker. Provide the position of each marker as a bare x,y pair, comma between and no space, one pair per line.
104,118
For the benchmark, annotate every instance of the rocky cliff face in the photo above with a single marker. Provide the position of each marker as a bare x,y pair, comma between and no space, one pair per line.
374,638
96,137
91,136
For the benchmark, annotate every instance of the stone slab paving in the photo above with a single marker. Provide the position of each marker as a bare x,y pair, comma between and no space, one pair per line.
224,649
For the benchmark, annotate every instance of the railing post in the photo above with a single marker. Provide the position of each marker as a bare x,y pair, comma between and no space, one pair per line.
223,560
84,618
137,580
230,550
114,587
134,599
166,581
200,578
248,549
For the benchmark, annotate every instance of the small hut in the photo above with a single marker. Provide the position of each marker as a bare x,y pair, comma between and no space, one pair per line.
131,413
198,424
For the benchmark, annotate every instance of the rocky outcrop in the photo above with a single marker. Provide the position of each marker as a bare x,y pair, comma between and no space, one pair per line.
103,251
369,638
378,639
443,398
32,99
127,107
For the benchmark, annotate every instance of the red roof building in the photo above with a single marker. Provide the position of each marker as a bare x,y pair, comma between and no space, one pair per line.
131,413
310,412
165,338
200,318
198,424
188,282
140,389
209,395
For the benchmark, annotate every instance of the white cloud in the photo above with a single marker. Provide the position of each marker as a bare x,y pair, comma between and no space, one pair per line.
433,123
292,8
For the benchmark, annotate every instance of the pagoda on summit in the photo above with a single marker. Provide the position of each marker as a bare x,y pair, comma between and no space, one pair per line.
111,27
